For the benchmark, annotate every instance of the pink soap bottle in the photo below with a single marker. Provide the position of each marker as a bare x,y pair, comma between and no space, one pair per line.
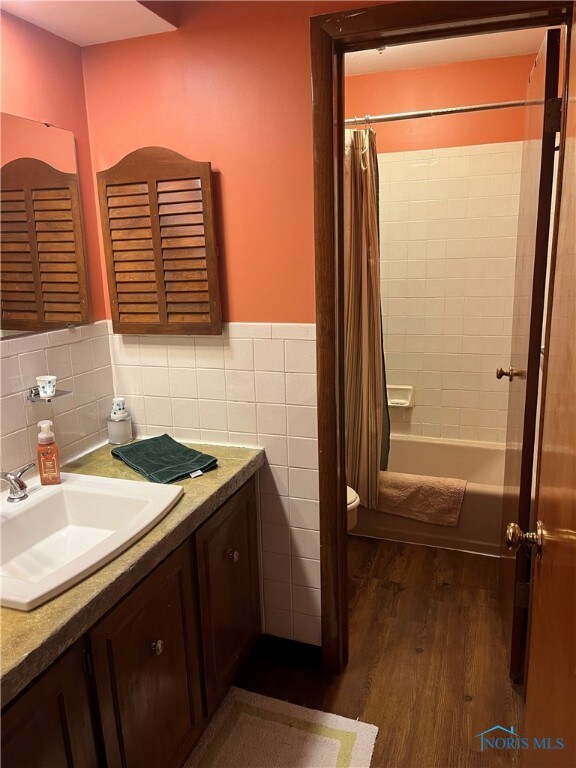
48,459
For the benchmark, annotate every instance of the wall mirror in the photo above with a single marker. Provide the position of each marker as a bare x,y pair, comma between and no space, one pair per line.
42,246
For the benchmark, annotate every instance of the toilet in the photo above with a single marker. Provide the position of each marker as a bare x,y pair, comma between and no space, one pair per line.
352,503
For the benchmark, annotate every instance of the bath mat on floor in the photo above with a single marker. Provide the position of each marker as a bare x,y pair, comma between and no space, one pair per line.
253,731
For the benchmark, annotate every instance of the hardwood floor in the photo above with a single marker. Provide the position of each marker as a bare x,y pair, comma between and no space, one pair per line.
427,658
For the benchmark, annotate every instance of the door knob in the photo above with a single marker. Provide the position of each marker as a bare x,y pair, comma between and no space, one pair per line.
157,647
510,373
233,555
515,537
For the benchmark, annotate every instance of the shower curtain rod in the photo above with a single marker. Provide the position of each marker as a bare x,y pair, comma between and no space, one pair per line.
436,112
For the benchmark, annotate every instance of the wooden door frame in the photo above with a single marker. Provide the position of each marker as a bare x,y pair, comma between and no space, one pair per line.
517,503
332,36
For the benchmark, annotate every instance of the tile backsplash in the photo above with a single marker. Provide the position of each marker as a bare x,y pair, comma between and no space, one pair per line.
448,221
80,357
254,385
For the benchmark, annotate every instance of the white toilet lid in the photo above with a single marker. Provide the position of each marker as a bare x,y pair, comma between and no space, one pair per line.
351,496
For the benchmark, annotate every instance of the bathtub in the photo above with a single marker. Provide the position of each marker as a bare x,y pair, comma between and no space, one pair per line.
481,464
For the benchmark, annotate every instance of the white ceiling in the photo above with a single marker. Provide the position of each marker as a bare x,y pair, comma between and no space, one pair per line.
86,22
434,52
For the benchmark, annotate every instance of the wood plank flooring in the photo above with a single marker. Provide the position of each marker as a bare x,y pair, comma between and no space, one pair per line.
427,658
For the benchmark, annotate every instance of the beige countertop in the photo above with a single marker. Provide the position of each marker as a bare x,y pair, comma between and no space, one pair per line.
31,641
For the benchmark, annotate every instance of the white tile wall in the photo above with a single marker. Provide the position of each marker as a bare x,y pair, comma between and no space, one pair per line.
255,385
448,221
80,357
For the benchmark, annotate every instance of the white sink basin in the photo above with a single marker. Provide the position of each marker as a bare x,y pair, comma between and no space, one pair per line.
60,534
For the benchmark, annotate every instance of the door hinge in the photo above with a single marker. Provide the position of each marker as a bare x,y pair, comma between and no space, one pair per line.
87,662
522,594
552,115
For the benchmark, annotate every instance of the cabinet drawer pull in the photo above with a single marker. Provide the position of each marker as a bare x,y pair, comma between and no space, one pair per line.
157,647
233,555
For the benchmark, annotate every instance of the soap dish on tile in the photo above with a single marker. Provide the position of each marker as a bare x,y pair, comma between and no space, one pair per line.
400,396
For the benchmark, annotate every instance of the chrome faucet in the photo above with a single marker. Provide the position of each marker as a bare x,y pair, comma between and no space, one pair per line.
18,488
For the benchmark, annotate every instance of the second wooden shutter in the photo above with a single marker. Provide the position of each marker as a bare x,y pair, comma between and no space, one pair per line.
158,225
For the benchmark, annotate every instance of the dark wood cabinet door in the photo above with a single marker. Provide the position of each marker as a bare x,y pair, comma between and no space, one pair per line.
50,726
147,670
227,562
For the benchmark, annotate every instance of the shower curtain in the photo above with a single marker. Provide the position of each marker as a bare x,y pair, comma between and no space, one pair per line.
366,403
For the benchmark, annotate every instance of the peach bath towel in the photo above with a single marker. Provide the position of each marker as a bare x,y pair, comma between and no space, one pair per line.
435,500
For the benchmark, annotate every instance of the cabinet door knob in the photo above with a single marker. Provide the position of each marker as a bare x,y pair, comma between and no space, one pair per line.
233,555
157,647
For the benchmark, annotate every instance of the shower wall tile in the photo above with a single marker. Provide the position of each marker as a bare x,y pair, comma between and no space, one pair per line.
448,222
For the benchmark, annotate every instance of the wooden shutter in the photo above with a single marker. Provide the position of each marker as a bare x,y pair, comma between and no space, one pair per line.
158,225
43,268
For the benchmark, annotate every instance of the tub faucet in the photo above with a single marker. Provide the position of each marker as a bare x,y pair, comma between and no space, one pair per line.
18,488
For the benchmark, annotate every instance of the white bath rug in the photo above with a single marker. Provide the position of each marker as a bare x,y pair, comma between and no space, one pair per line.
253,731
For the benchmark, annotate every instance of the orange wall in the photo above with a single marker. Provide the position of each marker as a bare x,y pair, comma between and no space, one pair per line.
42,80
231,86
448,85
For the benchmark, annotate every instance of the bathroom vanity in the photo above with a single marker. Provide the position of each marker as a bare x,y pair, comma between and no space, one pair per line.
127,667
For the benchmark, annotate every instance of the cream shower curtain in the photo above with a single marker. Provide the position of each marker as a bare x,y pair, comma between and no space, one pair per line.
367,421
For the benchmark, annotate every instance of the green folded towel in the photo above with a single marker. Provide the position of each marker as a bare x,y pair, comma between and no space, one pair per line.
163,460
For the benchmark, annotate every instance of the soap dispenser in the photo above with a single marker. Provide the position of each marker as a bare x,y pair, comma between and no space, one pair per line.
48,459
